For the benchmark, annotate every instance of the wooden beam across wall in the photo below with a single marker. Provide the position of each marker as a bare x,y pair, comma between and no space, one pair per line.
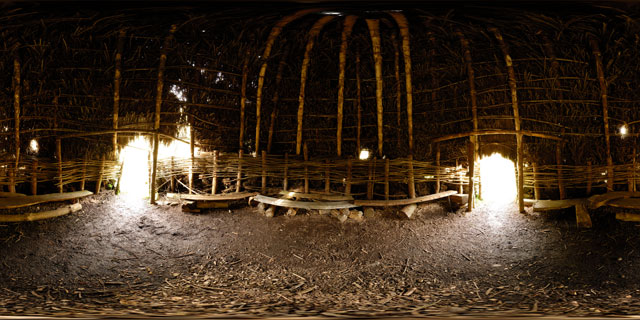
346,32
374,31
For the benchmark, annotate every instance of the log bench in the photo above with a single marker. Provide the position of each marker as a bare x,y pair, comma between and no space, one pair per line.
11,194
25,201
309,205
404,202
314,196
208,201
583,219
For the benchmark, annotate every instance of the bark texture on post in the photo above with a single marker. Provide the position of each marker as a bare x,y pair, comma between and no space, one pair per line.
263,188
273,35
403,24
313,33
192,154
156,124
374,31
34,177
285,182
516,114
116,90
605,110
346,32
437,168
347,187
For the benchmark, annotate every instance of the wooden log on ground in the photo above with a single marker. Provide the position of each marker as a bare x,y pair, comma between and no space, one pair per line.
239,176
627,203
583,220
25,201
212,204
35,216
599,200
409,210
341,215
356,215
605,111
628,216
374,31
291,212
34,177
403,202
547,205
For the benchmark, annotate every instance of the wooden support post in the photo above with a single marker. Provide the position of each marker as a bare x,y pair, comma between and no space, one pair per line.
119,178
632,171
239,177
386,179
347,186
306,168
12,177
370,179
158,109
412,184
536,184
116,90
193,159
327,177
460,191
34,177
276,98
438,171
605,110
313,33
559,171
589,177
471,157
100,175
59,156
263,188
516,115
403,24
173,177
285,182
84,171
358,104
396,68
374,31
346,31
16,109
243,98
273,35
214,178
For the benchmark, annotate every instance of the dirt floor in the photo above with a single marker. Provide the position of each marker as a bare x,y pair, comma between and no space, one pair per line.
124,256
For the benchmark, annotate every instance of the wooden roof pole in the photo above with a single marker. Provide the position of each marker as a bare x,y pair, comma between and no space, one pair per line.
349,21
403,24
273,35
313,33
156,124
116,90
243,97
605,112
516,114
358,104
16,109
374,31
396,68
276,98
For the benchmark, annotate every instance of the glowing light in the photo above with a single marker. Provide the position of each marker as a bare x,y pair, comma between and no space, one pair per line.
364,154
623,130
178,93
498,179
33,146
331,13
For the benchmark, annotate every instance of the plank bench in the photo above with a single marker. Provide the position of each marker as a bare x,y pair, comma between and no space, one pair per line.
25,201
315,205
583,219
403,202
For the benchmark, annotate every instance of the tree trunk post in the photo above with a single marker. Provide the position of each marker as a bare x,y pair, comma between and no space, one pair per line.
412,184
34,177
559,171
386,179
239,177
173,177
306,168
243,99
193,159
346,31
59,156
263,188
16,108
116,90
214,178
285,182
371,163
589,177
84,171
358,104
438,171
374,31
536,184
327,177
403,24
100,174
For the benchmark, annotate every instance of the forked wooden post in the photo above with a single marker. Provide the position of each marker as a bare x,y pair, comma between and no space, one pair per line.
239,177
327,177
438,167
59,156
101,173
559,171
306,168
347,186
386,179
84,171
214,178
263,188
34,177
589,175
285,181
412,183
370,179
536,184
471,159
605,111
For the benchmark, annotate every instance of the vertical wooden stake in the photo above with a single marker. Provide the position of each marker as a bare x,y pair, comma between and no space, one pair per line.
313,33
536,184
386,179
471,157
12,177
193,159
243,99
438,167
346,31
116,90
358,103
34,177
374,31
396,68
173,176
559,170
632,172
403,24
306,168
589,175
263,189
605,111
158,109
412,184
214,178
100,174
370,179
460,191
239,177
347,186
16,109
84,171
327,177
285,182
59,156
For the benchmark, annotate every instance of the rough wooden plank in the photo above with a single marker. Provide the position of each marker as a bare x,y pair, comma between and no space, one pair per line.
41,215
582,215
304,205
404,202
546,205
627,203
315,196
11,194
626,216
600,200
212,197
19,202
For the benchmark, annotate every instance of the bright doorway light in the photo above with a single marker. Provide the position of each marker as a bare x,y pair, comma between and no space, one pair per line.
498,179
364,154
34,146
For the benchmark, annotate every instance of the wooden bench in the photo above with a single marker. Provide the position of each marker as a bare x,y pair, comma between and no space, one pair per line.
583,219
314,196
403,202
208,201
11,194
315,205
25,201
